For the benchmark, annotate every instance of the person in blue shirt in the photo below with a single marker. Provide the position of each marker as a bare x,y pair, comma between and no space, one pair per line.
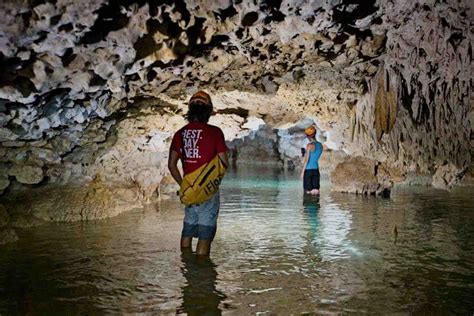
310,172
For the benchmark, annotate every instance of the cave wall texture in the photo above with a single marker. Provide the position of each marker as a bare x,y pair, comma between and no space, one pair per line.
95,89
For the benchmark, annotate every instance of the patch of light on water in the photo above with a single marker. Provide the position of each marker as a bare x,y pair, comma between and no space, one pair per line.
267,212
335,225
260,184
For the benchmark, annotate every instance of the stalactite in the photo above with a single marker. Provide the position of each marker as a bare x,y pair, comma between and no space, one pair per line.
385,104
74,74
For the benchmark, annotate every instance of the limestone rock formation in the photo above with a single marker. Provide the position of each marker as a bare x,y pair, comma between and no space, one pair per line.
360,175
98,87
27,174
447,176
94,200
260,147
22,219
7,235
4,217
280,147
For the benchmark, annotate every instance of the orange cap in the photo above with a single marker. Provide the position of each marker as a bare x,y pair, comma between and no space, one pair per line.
201,97
310,131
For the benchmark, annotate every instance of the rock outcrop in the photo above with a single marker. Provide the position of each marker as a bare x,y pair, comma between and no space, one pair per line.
98,87
260,147
90,201
361,175
447,176
281,147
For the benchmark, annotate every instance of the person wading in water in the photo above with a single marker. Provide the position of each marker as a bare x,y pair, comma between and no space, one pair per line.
203,153
310,172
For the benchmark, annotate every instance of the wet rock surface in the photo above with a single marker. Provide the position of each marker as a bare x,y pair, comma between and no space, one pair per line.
360,175
89,201
7,235
97,88
4,217
22,219
447,176
27,174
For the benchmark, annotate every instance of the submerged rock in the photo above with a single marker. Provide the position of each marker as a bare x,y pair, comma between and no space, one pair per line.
359,175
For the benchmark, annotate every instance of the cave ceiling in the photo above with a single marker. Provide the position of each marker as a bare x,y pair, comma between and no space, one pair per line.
386,79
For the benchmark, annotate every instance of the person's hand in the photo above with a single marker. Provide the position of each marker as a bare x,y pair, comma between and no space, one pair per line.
302,176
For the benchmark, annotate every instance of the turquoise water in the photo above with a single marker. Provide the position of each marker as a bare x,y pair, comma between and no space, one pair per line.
276,252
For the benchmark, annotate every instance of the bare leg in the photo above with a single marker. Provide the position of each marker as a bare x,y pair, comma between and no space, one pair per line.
203,247
186,243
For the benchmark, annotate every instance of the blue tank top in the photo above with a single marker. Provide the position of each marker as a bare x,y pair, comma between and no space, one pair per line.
313,156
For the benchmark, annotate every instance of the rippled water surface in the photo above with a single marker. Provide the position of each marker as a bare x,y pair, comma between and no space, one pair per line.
275,252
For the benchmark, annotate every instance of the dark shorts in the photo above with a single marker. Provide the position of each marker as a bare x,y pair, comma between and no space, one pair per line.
311,179
200,220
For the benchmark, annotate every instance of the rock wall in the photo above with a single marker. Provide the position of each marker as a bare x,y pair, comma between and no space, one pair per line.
420,100
260,147
97,87
281,147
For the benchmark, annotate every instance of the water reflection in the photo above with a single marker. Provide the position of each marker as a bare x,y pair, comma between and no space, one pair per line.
311,206
276,252
329,228
200,295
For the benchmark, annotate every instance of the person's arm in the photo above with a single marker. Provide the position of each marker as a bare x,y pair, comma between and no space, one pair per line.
224,158
221,147
305,161
173,166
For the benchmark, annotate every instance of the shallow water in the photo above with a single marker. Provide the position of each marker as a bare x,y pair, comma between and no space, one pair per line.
276,252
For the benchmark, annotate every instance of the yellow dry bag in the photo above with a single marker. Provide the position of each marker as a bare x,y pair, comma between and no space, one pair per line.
199,185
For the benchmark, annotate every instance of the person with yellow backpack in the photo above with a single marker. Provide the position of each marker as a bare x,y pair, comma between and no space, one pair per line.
202,150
